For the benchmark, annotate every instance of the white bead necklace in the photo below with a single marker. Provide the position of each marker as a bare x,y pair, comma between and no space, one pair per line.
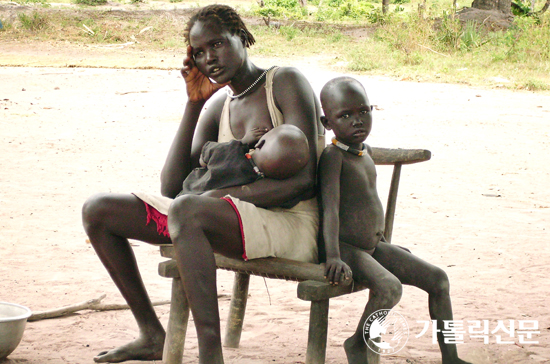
251,86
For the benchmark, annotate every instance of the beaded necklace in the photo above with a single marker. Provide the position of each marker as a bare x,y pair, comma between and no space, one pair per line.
254,166
231,96
347,148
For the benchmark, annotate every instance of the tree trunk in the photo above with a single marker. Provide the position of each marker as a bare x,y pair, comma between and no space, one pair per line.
385,6
503,6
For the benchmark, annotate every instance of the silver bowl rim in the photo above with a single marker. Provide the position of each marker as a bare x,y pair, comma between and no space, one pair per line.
25,316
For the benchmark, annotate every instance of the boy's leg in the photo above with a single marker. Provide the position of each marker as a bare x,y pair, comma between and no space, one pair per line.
110,220
385,293
411,270
198,227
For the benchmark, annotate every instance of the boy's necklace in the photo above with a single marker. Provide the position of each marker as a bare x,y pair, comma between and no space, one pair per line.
254,166
231,96
347,148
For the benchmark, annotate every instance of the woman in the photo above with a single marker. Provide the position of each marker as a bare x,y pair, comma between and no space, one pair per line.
265,218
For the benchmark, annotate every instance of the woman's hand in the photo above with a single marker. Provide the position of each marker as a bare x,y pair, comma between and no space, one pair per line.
199,87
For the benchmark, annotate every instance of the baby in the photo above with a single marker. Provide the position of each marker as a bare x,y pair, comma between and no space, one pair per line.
352,220
278,153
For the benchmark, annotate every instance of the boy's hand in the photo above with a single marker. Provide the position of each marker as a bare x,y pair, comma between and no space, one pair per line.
336,271
253,135
199,87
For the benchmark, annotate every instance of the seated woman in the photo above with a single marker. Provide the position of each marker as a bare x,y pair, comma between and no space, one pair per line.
269,217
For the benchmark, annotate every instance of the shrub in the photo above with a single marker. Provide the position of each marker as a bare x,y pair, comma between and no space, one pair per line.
33,22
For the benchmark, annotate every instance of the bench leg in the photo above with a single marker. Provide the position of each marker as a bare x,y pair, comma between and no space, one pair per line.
177,325
236,311
317,336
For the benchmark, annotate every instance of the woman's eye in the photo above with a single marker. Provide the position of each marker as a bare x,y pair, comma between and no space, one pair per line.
345,116
218,44
198,54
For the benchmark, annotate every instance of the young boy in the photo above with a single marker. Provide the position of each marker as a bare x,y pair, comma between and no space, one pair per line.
353,221
230,164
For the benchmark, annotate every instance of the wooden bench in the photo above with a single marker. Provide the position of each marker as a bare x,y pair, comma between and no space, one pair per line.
312,287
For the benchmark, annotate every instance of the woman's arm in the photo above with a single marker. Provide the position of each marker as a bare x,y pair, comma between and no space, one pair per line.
296,101
184,152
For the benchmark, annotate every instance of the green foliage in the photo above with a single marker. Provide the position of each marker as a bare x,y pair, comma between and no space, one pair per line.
449,32
520,8
342,10
289,32
282,8
400,2
90,2
33,22
44,3
471,37
176,1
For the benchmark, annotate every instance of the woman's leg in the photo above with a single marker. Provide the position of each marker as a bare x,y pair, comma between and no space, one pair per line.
200,226
110,220
385,293
413,271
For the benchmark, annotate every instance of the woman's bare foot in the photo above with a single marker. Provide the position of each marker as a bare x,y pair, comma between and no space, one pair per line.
143,348
356,351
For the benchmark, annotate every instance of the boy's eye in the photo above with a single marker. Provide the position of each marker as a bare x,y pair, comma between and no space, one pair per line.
218,44
344,116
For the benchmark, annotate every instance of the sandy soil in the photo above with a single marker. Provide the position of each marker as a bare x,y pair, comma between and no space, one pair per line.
480,208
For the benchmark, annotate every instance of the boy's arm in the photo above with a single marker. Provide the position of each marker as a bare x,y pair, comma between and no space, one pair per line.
329,171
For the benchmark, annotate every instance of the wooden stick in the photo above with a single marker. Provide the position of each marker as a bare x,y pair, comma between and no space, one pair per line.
93,304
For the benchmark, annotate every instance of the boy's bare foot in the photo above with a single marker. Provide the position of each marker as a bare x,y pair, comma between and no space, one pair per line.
356,352
141,349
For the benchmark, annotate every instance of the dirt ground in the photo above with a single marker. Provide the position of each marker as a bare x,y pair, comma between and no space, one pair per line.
480,208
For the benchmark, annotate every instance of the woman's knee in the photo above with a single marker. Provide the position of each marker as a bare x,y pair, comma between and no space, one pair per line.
95,211
186,211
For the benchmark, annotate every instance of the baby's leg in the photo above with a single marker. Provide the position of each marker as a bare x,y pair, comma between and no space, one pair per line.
413,271
385,293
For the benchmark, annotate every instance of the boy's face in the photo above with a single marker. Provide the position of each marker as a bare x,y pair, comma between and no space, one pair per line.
348,113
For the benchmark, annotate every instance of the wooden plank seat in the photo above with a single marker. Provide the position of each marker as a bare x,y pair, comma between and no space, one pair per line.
311,287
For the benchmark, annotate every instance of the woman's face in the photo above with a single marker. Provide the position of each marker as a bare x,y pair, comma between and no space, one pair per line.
217,53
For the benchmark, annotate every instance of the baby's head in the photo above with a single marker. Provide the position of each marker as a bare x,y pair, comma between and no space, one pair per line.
347,110
282,152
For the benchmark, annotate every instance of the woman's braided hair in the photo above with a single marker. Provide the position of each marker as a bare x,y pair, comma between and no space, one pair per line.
226,17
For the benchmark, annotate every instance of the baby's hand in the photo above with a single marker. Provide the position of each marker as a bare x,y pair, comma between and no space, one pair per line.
337,271
253,135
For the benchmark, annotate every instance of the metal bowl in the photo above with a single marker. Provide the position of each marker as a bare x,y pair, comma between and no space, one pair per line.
13,319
